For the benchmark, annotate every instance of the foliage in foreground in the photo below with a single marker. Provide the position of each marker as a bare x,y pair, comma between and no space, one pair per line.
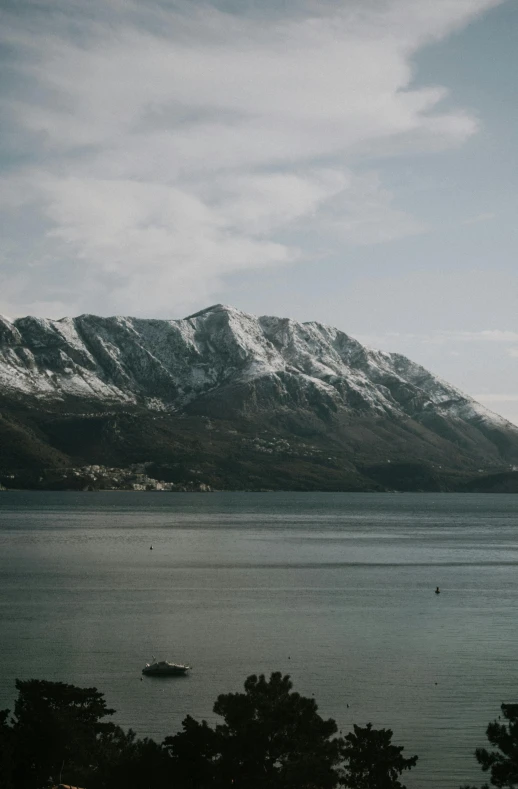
371,761
502,762
270,738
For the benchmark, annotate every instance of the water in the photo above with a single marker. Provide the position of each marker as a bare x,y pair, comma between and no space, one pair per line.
335,589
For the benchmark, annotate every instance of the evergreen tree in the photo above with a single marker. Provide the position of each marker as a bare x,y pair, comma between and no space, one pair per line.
6,752
372,762
271,738
58,735
194,755
55,731
124,762
502,763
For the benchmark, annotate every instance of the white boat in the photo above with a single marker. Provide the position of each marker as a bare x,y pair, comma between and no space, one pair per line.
162,668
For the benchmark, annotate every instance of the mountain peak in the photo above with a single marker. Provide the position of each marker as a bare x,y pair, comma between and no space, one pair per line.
213,308
223,362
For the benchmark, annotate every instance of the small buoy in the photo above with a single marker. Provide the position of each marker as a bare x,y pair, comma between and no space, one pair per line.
150,547
437,590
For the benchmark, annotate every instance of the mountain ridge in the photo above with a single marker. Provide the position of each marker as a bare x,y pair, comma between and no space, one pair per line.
270,325
265,374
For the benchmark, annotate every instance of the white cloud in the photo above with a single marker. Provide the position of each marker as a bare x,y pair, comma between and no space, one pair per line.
153,238
166,147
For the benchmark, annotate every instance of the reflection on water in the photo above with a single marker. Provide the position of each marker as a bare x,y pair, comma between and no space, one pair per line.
335,589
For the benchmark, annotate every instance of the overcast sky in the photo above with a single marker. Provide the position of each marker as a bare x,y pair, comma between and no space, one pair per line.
350,162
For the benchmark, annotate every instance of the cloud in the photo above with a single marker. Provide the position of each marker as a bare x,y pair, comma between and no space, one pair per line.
156,149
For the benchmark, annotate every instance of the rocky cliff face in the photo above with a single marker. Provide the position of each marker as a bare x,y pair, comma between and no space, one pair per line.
175,362
226,364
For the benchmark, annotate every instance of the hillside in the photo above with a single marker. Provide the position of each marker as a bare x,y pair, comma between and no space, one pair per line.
237,402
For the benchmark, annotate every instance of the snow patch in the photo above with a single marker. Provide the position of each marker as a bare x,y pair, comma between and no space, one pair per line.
167,363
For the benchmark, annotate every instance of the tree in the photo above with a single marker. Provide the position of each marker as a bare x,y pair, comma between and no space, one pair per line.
124,762
55,731
58,734
6,752
372,762
271,738
503,762
194,754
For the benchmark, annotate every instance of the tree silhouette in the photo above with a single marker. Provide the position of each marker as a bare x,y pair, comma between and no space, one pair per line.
6,752
125,762
372,762
55,731
58,734
502,763
194,754
271,738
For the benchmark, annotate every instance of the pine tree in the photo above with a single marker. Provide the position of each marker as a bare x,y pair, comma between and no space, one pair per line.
372,762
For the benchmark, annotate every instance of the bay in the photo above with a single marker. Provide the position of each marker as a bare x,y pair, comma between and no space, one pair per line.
335,589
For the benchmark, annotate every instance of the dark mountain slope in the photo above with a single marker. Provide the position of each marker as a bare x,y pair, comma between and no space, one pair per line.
250,402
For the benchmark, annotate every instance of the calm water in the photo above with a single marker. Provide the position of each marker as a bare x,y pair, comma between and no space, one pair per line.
335,589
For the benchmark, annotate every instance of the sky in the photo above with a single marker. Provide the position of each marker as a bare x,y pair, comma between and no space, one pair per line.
352,162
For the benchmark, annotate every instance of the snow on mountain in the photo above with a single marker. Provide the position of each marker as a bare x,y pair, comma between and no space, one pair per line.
174,363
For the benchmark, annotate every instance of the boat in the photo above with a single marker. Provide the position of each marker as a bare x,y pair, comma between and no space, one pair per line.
162,668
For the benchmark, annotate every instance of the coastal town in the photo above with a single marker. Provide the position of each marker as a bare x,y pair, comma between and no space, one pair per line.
98,477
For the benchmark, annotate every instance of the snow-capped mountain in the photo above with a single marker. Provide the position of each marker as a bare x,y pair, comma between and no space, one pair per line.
223,363
174,362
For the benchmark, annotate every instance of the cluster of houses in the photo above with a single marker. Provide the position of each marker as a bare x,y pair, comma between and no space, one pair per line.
98,477
131,479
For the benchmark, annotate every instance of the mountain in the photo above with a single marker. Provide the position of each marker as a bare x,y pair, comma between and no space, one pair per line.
259,402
